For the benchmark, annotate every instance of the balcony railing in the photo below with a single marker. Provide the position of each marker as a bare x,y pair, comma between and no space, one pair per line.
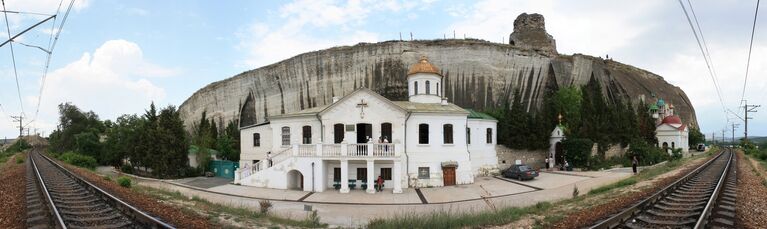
347,150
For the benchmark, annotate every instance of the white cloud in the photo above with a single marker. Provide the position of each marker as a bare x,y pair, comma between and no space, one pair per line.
308,25
110,81
578,27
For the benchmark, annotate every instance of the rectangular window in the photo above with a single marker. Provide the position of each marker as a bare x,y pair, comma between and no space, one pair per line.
423,133
336,174
362,174
256,139
489,135
447,134
285,136
423,172
386,173
468,136
306,134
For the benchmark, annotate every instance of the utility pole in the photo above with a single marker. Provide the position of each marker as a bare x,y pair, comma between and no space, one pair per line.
723,131
19,119
734,125
713,137
748,109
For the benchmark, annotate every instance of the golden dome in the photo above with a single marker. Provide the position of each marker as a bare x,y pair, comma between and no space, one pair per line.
423,66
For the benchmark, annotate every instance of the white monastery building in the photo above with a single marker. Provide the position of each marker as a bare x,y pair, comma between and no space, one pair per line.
423,142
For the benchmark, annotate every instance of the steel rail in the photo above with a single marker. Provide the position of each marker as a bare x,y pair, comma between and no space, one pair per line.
144,219
59,221
620,218
703,219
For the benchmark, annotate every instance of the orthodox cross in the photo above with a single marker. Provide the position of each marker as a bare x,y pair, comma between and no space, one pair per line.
362,106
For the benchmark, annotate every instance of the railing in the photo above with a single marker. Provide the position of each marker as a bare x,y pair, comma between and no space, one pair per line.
333,150
383,150
305,150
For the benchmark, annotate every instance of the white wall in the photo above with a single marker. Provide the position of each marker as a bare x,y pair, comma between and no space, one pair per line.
353,165
248,152
669,134
483,155
296,125
433,154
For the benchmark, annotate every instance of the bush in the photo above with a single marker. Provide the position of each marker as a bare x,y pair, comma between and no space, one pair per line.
578,151
124,181
18,146
265,205
126,168
19,160
79,160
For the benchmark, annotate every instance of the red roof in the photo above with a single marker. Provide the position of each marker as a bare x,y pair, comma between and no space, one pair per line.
673,119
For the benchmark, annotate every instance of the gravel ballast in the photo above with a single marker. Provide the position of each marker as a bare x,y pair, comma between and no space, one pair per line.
752,195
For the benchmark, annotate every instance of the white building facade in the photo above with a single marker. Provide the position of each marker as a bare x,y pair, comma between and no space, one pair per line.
346,145
672,134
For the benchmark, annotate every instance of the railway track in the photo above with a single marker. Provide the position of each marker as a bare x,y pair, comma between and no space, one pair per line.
58,198
704,198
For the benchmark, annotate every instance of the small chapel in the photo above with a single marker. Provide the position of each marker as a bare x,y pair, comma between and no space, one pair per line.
363,137
670,131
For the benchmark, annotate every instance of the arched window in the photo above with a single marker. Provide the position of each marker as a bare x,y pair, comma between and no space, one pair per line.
386,131
468,135
673,145
256,139
447,134
438,89
338,133
423,133
489,135
306,134
428,87
415,87
285,136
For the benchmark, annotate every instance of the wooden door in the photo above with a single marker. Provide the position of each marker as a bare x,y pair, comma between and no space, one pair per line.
448,175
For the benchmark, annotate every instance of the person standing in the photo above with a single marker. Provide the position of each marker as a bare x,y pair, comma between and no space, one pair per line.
379,184
547,163
634,163
269,159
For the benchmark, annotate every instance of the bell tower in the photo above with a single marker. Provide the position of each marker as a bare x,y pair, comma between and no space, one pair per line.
424,82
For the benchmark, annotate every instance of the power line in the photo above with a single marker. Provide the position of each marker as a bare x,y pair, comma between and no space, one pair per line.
51,46
705,44
751,45
705,58
13,58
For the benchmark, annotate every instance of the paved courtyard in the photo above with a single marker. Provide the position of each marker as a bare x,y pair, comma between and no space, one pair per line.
358,207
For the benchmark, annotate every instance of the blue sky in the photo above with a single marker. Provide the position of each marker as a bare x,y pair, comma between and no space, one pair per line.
114,57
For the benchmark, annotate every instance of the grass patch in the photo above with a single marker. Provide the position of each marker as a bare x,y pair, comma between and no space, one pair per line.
215,210
449,219
619,184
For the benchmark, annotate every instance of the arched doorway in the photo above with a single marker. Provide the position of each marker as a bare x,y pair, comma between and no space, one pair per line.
665,145
560,153
295,180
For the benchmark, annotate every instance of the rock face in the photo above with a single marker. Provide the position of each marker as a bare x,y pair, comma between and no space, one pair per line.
478,74
530,33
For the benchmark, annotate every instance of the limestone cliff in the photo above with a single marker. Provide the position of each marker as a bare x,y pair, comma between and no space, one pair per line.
478,74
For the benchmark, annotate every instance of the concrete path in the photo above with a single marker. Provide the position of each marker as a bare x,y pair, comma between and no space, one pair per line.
355,209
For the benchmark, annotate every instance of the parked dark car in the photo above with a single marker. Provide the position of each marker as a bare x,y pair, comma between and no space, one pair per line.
520,172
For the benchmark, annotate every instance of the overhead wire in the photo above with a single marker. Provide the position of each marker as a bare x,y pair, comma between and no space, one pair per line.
52,44
13,58
750,46
705,58
705,45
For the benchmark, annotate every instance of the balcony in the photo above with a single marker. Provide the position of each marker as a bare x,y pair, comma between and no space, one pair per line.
362,150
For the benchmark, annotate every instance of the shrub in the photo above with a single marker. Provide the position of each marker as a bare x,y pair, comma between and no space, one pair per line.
313,219
124,181
264,205
19,160
79,160
126,168
18,146
578,151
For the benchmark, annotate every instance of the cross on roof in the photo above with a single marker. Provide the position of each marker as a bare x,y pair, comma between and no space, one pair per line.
362,106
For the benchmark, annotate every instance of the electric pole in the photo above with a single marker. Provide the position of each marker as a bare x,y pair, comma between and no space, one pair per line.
734,125
748,109
19,119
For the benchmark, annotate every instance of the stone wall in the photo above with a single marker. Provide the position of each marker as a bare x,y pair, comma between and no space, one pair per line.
507,157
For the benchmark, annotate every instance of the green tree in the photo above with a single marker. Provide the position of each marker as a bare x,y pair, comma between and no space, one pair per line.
695,137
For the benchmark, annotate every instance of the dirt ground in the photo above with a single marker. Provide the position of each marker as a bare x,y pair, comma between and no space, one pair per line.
12,187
